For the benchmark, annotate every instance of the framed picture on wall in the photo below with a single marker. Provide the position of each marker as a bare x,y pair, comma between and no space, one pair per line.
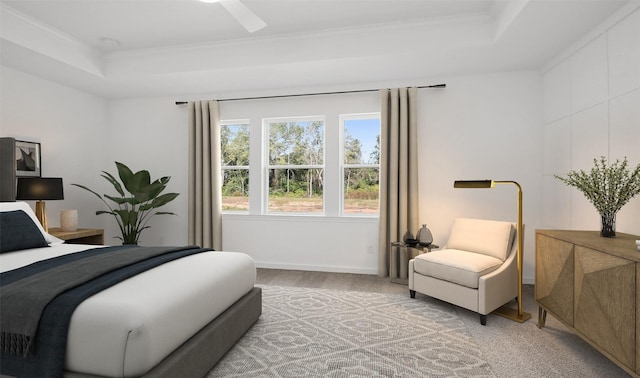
27,159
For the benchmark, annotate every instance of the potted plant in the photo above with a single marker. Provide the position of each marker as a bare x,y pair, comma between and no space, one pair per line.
608,187
134,208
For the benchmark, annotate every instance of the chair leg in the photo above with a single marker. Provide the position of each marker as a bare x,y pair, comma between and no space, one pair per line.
412,293
483,319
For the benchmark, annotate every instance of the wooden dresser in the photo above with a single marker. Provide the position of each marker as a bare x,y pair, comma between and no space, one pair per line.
592,285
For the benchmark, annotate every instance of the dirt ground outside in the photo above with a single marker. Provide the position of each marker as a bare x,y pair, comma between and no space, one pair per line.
300,205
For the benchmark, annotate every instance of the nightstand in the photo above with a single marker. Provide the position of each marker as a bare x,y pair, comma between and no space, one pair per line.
93,236
400,255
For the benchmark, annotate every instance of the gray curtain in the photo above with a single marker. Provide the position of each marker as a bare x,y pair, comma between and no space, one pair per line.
398,171
205,176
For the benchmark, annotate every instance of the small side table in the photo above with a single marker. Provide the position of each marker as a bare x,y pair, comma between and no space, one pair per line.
401,253
94,236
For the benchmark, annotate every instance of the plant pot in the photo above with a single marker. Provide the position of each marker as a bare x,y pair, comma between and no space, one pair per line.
608,225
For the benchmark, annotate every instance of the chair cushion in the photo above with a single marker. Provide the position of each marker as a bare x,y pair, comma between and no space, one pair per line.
488,237
453,265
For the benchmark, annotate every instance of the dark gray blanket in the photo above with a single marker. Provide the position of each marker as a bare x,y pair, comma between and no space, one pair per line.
37,301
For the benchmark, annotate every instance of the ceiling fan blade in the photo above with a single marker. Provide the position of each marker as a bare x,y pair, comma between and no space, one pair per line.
243,15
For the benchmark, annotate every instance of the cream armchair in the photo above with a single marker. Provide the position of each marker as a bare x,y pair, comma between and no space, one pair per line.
477,268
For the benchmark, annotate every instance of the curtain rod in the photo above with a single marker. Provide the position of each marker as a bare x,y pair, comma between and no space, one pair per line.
310,94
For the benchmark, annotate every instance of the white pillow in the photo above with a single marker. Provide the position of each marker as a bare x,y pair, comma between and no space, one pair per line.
489,237
12,206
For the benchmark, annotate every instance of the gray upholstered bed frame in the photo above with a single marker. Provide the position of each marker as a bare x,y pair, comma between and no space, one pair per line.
200,353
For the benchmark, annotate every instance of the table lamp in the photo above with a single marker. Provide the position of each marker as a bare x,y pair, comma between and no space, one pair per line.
40,189
506,312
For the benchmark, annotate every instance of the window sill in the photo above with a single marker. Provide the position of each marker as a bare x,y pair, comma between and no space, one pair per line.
300,218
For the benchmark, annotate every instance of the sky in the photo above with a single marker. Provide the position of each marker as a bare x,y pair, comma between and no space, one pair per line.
366,131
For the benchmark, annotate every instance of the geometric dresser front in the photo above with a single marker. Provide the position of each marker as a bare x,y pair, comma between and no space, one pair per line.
590,284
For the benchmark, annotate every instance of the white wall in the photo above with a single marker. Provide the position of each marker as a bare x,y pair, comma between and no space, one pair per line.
152,134
482,126
592,109
71,127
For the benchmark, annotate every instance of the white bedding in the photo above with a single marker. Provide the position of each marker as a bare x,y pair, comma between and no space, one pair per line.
127,329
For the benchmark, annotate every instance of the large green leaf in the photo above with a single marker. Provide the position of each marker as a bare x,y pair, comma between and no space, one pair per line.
158,202
163,199
124,172
157,187
109,177
133,182
149,192
164,213
139,182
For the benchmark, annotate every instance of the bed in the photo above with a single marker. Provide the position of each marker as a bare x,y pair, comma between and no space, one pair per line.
176,319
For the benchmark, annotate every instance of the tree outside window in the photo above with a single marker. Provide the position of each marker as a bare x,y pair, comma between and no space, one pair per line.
234,143
361,164
295,168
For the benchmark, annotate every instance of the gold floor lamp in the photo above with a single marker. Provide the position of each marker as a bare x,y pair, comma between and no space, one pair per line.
507,312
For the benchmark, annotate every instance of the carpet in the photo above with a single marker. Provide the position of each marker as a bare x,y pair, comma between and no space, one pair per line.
307,332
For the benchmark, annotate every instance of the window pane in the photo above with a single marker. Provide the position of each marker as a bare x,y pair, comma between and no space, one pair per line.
234,142
235,190
296,143
362,141
296,190
361,191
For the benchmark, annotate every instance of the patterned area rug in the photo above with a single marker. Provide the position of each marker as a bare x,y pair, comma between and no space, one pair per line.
307,332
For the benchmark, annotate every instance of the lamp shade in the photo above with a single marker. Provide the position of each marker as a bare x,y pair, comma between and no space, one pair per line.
39,188
473,184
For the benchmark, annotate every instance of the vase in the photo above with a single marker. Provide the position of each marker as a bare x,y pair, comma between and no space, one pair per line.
424,236
69,220
608,226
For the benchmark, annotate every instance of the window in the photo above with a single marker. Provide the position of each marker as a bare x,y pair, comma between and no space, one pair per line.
360,163
234,144
295,164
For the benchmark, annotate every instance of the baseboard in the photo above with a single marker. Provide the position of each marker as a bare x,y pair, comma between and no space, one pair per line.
318,268
341,269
